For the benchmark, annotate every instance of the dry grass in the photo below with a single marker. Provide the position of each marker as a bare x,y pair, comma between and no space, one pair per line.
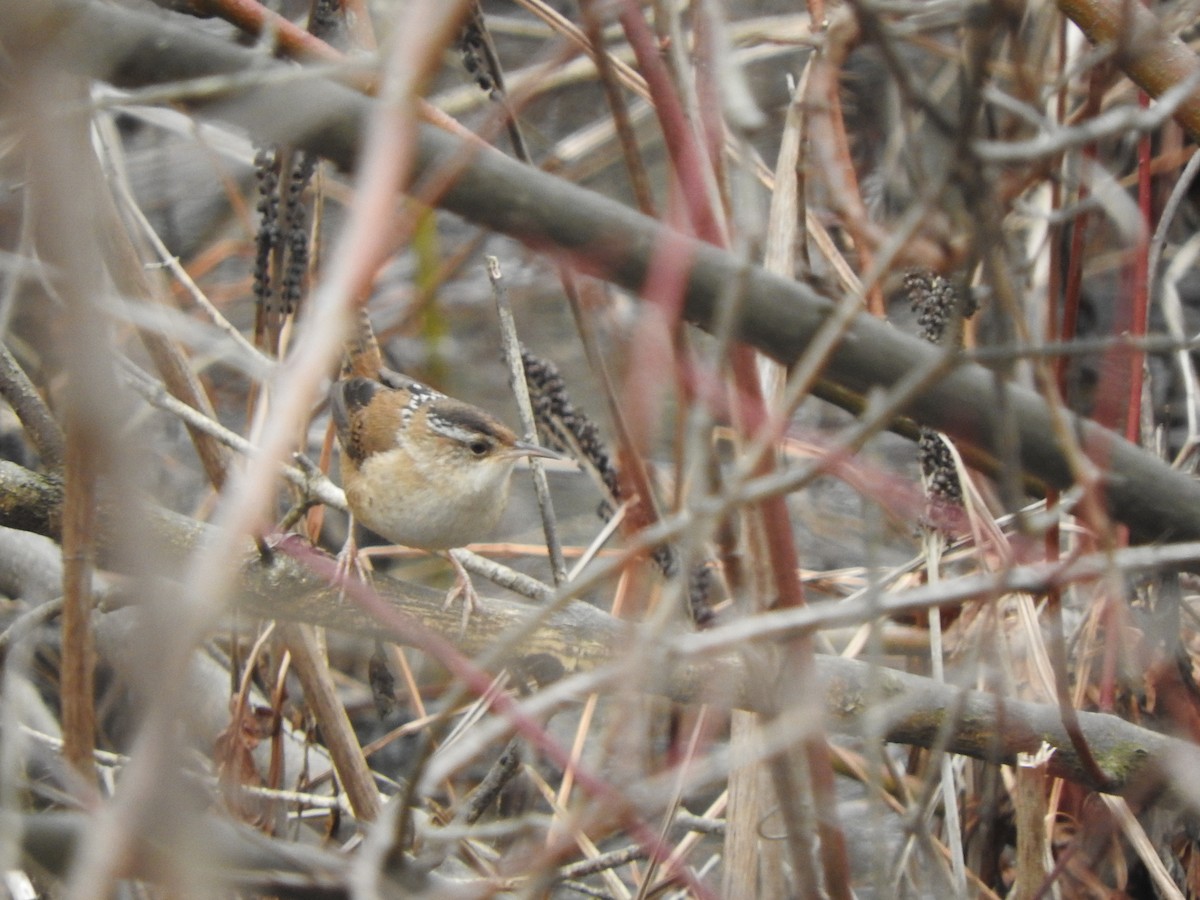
794,656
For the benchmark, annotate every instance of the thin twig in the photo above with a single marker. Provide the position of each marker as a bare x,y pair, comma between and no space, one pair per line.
504,576
28,621
590,643
311,481
1119,121
520,389
261,362
27,403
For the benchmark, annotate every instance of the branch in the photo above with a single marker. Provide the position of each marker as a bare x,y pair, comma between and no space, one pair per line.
1155,60
39,423
581,639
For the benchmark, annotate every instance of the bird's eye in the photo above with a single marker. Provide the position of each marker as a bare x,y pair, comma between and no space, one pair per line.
479,447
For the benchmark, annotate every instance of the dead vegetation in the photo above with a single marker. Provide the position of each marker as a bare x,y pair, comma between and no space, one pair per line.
792,654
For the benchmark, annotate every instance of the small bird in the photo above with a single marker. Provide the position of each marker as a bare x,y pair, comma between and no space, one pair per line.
420,468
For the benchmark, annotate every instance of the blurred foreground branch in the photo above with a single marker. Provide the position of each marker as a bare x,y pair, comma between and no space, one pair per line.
859,698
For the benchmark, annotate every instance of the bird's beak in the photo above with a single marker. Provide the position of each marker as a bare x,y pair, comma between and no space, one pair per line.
522,448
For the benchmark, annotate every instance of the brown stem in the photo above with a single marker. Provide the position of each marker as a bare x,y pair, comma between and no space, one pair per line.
78,665
311,668
1154,59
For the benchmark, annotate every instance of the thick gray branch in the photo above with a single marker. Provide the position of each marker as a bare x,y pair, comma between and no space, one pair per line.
858,699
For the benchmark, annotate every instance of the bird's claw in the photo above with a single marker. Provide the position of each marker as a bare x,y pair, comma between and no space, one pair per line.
352,564
464,588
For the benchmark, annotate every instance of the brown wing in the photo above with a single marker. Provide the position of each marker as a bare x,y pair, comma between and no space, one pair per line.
369,414
348,398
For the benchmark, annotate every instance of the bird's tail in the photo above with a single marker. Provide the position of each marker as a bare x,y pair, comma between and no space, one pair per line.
363,358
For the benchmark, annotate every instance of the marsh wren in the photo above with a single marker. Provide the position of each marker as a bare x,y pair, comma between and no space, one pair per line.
420,468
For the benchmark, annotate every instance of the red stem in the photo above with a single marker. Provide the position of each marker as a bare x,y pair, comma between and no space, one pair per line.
413,632
686,158
1141,285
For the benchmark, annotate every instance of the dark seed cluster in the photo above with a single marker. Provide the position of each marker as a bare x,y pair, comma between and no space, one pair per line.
296,219
326,19
474,56
382,682
934,299
939,309
563,427
700,593
267,239
281,251
938,465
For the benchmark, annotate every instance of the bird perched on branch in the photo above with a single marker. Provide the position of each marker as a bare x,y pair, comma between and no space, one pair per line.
419,468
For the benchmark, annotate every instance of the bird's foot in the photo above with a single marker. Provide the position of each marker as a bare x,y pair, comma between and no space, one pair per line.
352,564
462,587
